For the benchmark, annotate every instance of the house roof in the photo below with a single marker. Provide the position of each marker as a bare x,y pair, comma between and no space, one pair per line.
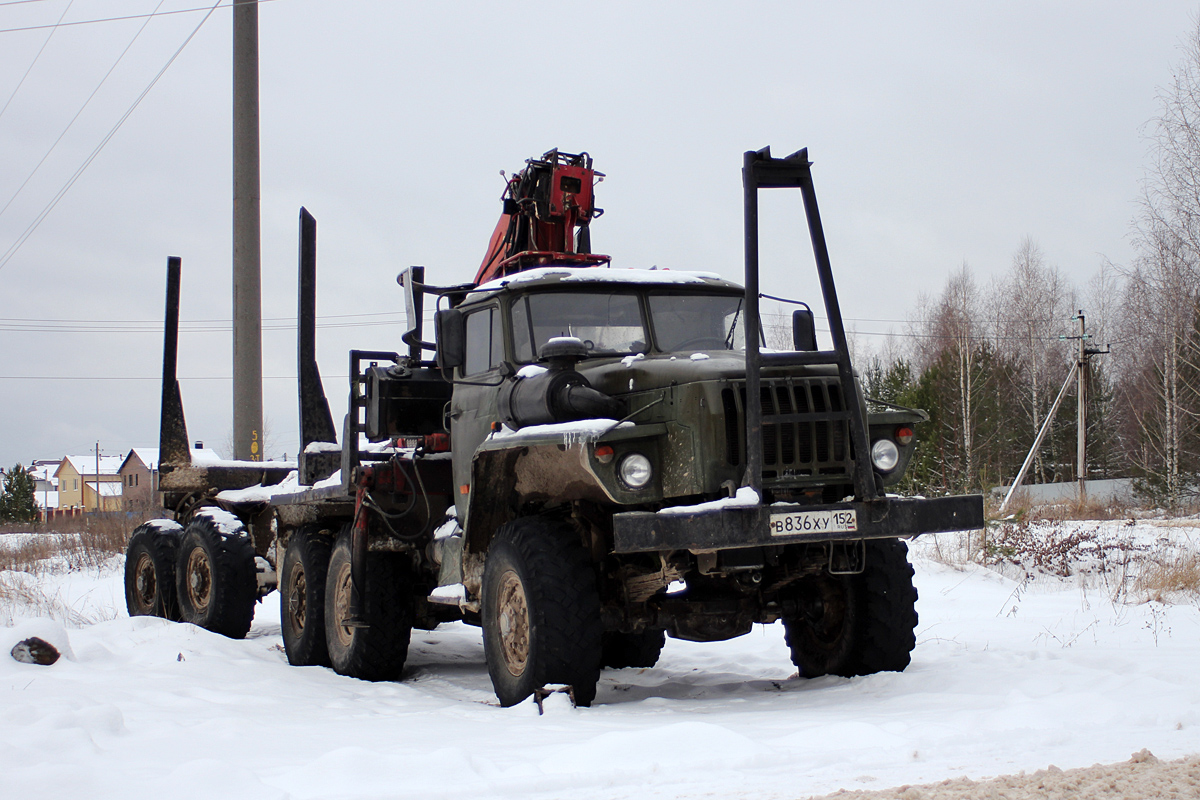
44,470
86,465
149,456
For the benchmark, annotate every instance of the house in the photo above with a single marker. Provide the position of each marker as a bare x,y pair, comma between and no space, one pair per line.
139,478
81,485
139,475
45,488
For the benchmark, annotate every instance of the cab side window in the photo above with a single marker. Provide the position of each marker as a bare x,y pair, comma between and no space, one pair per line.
522,332
485,341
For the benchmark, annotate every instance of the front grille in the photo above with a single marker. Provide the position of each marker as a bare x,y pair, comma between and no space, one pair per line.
796,450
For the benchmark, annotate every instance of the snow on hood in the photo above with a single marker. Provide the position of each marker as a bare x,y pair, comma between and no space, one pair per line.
578,432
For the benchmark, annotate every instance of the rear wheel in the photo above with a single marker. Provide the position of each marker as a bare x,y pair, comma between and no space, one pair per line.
540,612
857,624
150,570
377,651
302,596
622,650
215,574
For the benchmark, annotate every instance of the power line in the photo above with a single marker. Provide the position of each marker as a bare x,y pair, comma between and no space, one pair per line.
81,108
193,321
33,226
196,326
121,19
49,36
148,378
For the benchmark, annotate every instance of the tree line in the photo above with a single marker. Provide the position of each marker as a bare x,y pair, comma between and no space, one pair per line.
987,361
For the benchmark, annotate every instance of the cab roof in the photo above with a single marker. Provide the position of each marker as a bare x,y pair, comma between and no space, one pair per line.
557,276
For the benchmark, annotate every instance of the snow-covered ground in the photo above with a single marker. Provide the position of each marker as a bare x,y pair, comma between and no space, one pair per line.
1009,674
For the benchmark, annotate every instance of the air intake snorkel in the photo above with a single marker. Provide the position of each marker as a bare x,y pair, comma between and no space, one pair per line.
559,394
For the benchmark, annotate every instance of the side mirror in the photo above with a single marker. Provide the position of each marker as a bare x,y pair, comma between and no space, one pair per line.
804,330
451,339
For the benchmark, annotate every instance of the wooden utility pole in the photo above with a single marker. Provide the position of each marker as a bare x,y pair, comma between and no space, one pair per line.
1081,416
247,251
97,476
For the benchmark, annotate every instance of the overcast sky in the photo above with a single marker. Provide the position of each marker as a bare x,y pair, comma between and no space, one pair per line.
941,133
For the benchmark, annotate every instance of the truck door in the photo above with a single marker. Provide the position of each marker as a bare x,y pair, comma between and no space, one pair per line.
473,404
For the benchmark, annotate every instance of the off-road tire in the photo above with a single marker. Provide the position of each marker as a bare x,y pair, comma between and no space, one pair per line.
215,577
540,612
302,596
621,650
868,622
378,651
150,570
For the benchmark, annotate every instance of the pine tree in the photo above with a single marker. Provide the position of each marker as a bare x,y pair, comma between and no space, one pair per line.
17,502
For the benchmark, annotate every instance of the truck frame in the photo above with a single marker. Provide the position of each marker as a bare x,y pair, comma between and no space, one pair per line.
595,458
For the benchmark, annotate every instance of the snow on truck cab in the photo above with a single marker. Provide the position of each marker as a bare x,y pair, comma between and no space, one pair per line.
596,458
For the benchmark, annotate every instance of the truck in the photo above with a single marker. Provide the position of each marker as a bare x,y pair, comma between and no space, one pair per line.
581,460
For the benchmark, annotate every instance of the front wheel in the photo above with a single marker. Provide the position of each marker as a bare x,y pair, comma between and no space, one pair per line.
856,624
541,612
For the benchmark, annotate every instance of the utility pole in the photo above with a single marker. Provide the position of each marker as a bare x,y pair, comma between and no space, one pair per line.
1081,417
1083,364
1079,371
97,476
247,251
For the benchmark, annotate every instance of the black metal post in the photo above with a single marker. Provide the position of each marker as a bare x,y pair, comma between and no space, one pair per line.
760,170
753,402
316,422
173,449
864,475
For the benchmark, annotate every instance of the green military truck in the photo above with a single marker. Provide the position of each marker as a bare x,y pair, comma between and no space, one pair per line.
595,459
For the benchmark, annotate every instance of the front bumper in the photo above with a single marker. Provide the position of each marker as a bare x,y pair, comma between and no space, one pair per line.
723,528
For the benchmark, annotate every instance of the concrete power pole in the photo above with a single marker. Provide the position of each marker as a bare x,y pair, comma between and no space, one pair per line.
247,266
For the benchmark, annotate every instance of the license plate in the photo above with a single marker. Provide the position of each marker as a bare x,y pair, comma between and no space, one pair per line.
840,521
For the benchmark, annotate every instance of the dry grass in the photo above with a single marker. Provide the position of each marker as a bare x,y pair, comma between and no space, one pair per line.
1022,509
1127,566
21,596
1162,580
88,547
26,558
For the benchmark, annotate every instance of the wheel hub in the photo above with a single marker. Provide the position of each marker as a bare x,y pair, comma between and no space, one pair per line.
145,583
513,621
341,605
297,602
826,615
199,579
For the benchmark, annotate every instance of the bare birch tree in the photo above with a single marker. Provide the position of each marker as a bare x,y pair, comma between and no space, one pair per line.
1162,387
1034,304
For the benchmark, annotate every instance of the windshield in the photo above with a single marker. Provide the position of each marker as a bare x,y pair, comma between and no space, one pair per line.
608,324
612,323
697,321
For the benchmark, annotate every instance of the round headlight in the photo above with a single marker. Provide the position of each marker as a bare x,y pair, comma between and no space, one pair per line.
885,455
634,470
